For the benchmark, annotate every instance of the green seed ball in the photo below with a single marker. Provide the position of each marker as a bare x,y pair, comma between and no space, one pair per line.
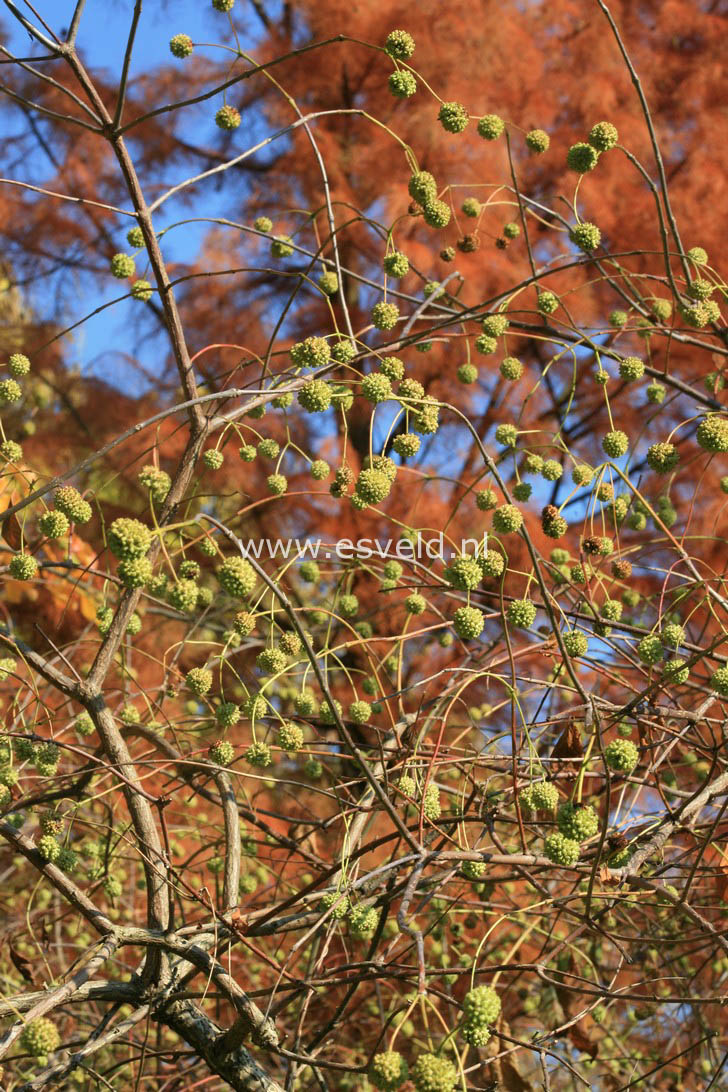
521,613
453,117
586,236
575,643
263,223
618,319
402,84
507,519
582,158
631,368
698,255
506,435
376,388
603,136
23,567
277,484
10,392
385,315
656,393
719,681
522,491
486,500
467,373
54,524
712,434
621,755
561,850
511,230
281,246
538,141
422,187
123,266
141,290
328,282
470,206
547,303
511,368
436,214
615,444
491,126
406,445
181,45
18,365
360,712
433,1073
397,264
315,396
399,44
11,452
468,622
237,577
227,118
485,344
199,680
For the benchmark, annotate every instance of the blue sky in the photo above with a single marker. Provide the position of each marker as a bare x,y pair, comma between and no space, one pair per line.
101,344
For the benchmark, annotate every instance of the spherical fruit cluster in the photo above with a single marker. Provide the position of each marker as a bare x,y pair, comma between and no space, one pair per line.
415,603
582,158
271,661
453,117
53,524
385,315
575,643
340,905
491,564
213,459
388,1071
485,345
621,755
436,214
467,373
540,796
676,671
719,681
396,265
547,302
495,325
227,118
18,365
511,368
486,499
182,595
376,387
290,737
23,567
482,1005
40,1037
360,712
237,577
463,572
631,368
400,45
11,452
406,445
402,84
129,538
603,136
313,352
227,714
157,481
586,236
123,266
69,501
662,457
672,635
577,821
553,523
615,444
259,755
141,290
507,519
506,435
712,434
315,396
222,752
470,206
363,921
538,141
199,680
521,613
468,623
650,649
561,850
310,572
281,246
10,392
181,46
490,127
432,1073
511,230
373,486
473,870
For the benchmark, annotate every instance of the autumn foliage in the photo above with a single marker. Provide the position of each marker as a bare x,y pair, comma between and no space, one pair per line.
363,642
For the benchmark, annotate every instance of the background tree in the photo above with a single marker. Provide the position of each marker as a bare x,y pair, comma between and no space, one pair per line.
279,813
